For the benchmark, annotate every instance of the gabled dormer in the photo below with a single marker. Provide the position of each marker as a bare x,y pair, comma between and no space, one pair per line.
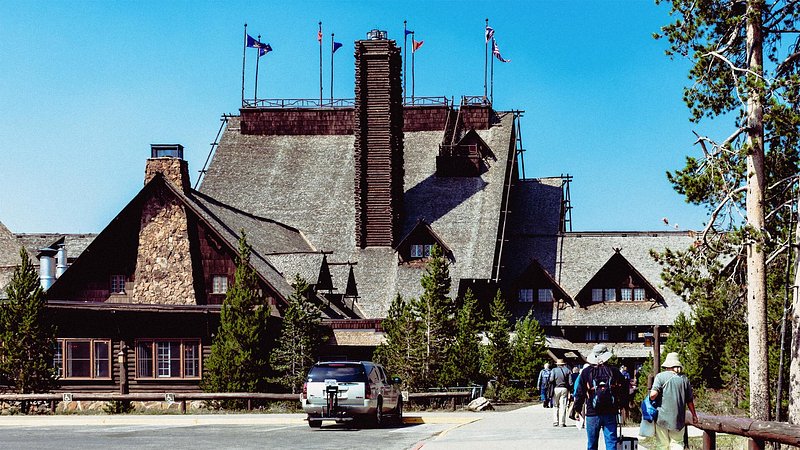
466,158
535,285
618,281
417,244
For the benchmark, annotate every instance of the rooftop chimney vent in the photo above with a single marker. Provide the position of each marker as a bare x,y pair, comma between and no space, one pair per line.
166,151
376,35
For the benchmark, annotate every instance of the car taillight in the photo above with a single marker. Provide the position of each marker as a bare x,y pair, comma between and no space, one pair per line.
305,390
367,390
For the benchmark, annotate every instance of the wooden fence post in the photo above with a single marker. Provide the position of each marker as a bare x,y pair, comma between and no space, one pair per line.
709,440
183,406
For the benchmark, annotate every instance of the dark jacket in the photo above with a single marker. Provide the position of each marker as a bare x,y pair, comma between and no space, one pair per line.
585,390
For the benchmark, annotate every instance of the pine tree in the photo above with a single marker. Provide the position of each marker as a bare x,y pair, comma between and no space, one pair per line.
301,337
401,352
498,356
239,360
436,312
464,359
27,339
528,349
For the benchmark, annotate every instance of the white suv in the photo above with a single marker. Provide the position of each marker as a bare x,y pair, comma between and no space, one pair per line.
341,391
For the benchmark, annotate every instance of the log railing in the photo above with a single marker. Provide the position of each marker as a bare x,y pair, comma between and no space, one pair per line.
758,432
183,397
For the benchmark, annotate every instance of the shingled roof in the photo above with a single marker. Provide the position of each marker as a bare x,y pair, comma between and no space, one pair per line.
307,182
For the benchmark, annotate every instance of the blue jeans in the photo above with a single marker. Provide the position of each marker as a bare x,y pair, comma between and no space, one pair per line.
608,422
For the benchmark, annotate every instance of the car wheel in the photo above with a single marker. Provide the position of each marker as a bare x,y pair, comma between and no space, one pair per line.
379,414
398,411
314,423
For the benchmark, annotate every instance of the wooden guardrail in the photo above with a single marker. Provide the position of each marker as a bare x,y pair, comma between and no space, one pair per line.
758,432
183,397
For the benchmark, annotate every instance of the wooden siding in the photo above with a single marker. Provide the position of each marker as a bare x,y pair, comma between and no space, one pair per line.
296,121
214,259
378,143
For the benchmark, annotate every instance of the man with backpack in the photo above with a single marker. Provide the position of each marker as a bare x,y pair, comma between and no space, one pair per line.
672,391
602,388
559,380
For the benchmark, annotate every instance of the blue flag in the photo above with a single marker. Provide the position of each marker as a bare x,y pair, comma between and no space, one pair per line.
336,46
409,32
263,48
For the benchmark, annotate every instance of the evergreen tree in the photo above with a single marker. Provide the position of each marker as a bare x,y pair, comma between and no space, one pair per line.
301,337
528,349
402,350
464,359
743,71
436,313
498,355
27,339
239,360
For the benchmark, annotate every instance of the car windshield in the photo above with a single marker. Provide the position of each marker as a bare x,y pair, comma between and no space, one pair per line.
338,372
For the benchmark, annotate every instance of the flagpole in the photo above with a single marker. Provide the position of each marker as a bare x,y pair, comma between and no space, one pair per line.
258,57
319,35
405,52
331,69
491,94
485,58
244,54
413,53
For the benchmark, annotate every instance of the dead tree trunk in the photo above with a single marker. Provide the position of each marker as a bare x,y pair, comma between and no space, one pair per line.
794,348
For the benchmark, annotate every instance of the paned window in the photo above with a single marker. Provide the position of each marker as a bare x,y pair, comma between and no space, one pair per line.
421,250
597,295
168,359
602,335
118,284
633,335
591,335
626,294
526,295
639,295
82,358
220,284
545,295
611,295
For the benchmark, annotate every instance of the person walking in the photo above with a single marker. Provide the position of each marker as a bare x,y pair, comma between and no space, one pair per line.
543,384
559,381
672,391
602,389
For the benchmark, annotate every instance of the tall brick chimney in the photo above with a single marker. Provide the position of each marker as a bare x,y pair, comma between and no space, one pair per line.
378,141
167,159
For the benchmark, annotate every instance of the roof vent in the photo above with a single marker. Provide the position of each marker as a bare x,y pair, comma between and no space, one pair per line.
376,35
166,151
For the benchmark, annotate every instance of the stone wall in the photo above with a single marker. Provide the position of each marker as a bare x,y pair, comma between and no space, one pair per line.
164,262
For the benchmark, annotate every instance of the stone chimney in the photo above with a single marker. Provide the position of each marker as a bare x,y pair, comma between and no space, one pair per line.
167,159
163,272
378,141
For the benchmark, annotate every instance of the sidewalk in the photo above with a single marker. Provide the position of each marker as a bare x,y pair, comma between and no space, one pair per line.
524,428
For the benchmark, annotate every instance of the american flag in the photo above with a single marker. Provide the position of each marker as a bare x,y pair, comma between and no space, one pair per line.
489,33
496,52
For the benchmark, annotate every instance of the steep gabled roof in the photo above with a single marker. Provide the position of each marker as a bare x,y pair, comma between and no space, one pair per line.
615,267
538,274
422,230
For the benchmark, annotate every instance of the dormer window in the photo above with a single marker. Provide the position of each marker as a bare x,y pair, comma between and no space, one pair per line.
639,295
597,295
545,295
421,250
117,284
525,296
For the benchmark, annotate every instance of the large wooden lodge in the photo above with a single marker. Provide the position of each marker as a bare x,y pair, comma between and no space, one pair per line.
351,196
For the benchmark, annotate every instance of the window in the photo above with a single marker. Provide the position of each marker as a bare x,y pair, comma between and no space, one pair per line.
82,358
118,284
526,295
626,294
220,284
632,335
639,295
591,335
602,335
545,295
611,295
168,359
597,295
421,250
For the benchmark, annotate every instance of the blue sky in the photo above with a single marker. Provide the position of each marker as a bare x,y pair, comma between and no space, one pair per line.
85,87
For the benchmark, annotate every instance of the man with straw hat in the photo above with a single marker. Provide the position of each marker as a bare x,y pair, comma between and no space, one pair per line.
672,391
602,388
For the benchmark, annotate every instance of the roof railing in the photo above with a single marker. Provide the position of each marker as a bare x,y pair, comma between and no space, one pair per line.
475,100
426,101
279,103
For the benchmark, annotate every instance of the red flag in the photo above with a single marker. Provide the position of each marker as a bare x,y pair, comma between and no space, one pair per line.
415,45
319,35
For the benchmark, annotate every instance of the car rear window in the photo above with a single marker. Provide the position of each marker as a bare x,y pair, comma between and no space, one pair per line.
338,372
